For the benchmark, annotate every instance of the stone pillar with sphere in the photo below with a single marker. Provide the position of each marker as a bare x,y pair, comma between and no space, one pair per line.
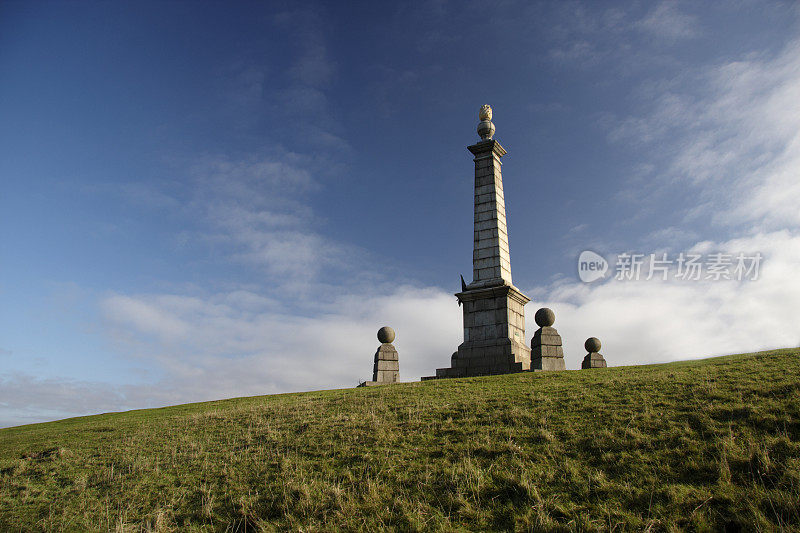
593,359
494,310
546,350
386,368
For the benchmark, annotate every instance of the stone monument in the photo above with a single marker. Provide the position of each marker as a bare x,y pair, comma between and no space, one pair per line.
593,359
494,310
387,364
546,350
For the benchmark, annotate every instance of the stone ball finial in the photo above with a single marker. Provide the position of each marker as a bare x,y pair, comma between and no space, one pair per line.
545,317
592,344
386,334
485,126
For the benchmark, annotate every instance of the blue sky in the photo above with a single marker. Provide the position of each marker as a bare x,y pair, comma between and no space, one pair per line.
207,200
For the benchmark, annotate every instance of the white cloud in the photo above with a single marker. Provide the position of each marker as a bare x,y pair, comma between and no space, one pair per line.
652,321
733,138
240,343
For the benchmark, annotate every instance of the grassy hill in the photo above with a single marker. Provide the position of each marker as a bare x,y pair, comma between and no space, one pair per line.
701,445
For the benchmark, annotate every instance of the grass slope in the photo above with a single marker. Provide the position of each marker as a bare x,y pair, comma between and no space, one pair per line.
703,445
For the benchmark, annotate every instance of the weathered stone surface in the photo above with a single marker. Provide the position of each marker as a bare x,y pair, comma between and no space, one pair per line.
387,352
386,376
545,317
494,332
546,340
387,365
450,372
546,336
548,363
592,344
386,368
546,350
386,334
593,360
491,233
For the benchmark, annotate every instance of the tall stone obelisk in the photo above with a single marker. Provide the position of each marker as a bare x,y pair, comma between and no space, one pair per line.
494,310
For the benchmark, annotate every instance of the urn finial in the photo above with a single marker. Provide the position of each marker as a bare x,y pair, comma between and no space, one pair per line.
485,126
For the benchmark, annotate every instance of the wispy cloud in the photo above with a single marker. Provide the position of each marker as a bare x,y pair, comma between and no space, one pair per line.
256,211
309,75
314,67
253,209
667,21
623,41
732,136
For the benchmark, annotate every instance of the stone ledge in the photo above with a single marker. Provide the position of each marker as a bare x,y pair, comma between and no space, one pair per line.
374,383
487,147
495,287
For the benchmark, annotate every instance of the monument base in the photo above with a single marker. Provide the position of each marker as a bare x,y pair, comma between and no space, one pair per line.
494,332
486,358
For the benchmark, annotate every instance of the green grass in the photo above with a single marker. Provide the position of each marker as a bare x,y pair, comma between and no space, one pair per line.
700,445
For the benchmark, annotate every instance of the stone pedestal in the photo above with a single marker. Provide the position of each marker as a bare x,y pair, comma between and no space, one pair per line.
494,310
546,350
386,368
387,365
494,329
593,359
